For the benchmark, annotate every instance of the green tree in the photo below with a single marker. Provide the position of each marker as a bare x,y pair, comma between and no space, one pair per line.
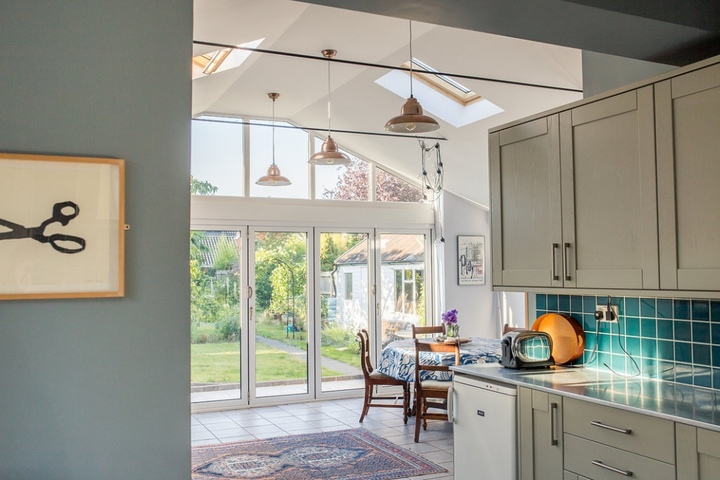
199,187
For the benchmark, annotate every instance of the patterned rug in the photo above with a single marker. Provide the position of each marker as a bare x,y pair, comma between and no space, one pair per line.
354,454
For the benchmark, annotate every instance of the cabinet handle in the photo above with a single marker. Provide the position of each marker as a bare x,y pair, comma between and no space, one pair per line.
451,405
553,421
566,263
555,276
626,431
598,463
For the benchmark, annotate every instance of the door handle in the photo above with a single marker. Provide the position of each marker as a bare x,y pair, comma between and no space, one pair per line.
626,431
555,276
553,421
451,405
249,292
598,463
566,262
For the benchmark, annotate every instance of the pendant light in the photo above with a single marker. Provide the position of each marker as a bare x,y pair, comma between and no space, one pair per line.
329,153
273,177
411,118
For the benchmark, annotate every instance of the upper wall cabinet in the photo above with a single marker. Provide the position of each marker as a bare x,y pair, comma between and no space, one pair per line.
688,160
574,198
525,215
609,215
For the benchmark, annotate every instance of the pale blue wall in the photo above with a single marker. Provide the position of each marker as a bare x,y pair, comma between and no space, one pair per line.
99,388
603,72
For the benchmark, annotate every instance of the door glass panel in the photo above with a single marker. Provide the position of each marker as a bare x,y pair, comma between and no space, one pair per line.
281,333
215,315
402,284
344,303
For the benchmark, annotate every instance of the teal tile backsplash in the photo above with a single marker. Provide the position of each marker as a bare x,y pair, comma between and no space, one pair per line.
676,340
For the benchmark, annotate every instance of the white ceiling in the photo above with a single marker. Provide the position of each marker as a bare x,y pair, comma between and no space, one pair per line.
358,103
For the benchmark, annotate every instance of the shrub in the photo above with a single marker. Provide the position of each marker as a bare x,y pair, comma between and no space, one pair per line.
228,329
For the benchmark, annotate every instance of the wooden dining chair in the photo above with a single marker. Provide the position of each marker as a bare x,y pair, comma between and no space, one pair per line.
427,330
431,393
374,379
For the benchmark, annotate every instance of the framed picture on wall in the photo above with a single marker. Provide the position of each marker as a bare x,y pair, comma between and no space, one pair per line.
471,259
62,223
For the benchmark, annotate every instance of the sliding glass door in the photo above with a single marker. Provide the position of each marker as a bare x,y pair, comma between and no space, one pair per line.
217,270
280,314
275,311
345,304
403,273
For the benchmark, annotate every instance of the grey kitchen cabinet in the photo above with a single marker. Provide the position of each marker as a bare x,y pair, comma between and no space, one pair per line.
540,439
525,204
573,476
603,442
609,213
687,126
698,453
574,197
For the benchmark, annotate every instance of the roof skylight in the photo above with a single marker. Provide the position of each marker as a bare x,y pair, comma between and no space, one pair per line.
446,85
440,95
221,60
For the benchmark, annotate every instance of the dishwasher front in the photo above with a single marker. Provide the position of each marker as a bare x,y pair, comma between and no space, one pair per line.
484,417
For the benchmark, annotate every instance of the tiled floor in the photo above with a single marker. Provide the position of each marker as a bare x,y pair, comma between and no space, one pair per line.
436,443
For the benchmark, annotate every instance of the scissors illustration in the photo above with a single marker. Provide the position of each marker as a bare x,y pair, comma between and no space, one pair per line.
58,241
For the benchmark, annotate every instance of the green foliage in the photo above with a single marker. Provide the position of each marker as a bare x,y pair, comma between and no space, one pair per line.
228,329
227,256
199,187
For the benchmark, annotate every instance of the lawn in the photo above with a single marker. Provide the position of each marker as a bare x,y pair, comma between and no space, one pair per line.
220,363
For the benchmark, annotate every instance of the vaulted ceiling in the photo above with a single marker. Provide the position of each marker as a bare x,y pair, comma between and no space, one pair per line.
518,48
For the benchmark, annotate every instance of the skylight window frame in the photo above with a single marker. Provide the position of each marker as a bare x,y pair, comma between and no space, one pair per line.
442,83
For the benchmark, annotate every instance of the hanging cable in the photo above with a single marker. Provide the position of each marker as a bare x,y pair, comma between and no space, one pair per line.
432,179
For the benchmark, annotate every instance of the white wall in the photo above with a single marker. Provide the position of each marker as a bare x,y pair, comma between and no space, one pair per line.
481,311
99,388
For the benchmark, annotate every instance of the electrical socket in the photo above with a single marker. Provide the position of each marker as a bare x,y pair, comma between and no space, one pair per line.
602,310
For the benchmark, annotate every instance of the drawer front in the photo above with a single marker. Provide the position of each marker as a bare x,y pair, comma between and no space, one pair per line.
601,462
649,436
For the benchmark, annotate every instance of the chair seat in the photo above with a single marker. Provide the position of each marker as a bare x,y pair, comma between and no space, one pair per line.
435,385
377,377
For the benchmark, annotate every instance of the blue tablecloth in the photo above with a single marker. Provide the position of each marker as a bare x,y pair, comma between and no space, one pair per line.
398,358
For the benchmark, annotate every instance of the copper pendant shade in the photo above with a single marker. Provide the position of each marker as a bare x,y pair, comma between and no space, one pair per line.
329,153
411,118
273,177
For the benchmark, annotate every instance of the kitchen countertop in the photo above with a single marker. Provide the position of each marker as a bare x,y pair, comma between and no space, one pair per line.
680,403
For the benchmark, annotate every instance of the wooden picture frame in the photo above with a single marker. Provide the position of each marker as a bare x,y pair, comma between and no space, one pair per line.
471,259
62,227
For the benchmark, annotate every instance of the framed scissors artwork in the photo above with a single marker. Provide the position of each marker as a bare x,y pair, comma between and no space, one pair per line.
62,227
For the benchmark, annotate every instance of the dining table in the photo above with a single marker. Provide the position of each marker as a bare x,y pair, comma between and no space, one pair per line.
398,357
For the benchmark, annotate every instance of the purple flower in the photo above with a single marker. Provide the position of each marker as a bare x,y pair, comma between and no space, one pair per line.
450,317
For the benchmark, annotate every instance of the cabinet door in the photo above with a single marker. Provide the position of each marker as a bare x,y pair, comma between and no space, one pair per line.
525,204
698,453
687,124
540,435
609,213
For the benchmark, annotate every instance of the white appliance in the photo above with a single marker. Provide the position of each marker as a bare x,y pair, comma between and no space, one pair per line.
484,420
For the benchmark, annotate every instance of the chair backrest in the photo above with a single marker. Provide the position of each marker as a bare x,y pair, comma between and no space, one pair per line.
507,328
428,330
364,339
431,346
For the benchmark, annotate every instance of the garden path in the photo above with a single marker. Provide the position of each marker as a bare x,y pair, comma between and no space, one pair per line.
329,363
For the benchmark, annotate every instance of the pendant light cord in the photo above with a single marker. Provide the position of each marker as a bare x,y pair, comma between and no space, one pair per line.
329,102
411,58
273,133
